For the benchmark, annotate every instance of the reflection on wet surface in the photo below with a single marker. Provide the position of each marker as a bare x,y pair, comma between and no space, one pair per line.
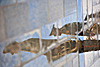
90,16
66,29
7,60
32,45
49,36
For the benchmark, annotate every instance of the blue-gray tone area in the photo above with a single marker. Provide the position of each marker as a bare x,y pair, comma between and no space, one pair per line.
38,13
30,16
16,19
7,2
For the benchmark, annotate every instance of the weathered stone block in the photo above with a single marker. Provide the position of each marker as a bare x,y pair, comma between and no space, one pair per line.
75,62
38,13
55,10
23,1
88,59
16,19
70,6
7,2
2,26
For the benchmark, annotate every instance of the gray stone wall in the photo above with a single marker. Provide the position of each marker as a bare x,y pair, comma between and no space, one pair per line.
2,26
21,16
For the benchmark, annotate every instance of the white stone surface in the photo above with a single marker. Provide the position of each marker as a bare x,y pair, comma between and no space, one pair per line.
69,64
82,60
96,64
96,55
75,62
88,59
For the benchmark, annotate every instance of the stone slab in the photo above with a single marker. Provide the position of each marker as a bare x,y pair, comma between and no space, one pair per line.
16,19
2,26
7,2
70,6
38,13
88,58
55,9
